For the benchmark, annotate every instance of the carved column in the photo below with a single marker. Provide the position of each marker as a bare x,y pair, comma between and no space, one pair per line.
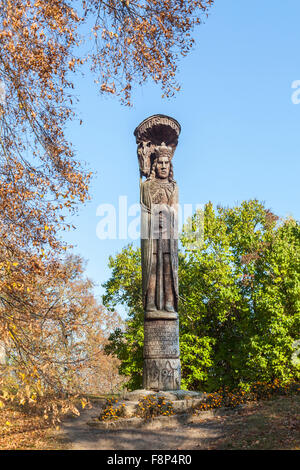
157,138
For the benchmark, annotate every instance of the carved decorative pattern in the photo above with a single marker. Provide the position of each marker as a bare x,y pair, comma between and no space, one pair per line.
152,132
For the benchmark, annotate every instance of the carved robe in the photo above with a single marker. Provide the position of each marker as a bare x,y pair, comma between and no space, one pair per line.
159,231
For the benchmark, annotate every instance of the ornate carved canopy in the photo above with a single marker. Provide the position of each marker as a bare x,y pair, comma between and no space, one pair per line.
151,133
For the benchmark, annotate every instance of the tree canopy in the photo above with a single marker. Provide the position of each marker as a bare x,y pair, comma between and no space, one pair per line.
42,45
239,308
54,332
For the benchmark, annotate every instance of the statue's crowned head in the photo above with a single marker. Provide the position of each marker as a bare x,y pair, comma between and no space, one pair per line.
163,151
162,167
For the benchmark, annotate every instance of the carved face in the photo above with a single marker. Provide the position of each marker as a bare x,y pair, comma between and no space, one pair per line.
162,167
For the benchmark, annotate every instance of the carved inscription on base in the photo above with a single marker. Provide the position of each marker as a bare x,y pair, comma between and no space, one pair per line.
161,339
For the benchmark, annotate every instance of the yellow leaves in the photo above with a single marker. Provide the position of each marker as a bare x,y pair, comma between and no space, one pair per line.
27,391
22,376
5,395
7,266
16,285
39,388
83,402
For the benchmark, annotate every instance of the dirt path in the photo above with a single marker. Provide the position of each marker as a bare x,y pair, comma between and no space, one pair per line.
272,424
198,433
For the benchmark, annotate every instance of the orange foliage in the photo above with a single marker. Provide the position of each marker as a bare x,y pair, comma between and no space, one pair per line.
136,40
54,332
41,45
39,175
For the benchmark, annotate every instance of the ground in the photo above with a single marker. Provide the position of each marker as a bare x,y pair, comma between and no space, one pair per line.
270,424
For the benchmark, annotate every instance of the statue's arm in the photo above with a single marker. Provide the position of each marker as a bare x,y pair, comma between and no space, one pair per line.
174,199
145,197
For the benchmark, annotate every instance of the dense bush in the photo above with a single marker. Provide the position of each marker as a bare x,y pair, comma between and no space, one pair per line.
151,406
111,411
257,391
239,301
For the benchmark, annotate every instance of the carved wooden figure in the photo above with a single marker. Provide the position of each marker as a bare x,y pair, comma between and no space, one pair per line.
157,138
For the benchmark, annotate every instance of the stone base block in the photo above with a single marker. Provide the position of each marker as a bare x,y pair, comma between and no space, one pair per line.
160,315
173,395
179,406
182,401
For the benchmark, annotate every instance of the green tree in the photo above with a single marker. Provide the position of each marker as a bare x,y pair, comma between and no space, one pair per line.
239,300
125,288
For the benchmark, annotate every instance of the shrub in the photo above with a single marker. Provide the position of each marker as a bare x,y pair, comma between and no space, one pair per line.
257,391
111,411
151,406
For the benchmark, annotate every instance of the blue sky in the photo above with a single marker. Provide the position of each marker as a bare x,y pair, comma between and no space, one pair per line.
240,128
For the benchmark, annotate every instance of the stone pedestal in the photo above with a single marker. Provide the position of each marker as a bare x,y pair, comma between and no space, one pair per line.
161,355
